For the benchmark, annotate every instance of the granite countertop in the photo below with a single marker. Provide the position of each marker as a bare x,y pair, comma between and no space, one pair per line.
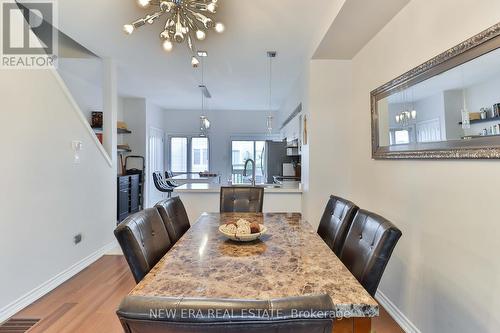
290,260
215,188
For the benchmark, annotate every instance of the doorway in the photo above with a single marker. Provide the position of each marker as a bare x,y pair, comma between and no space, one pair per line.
156,159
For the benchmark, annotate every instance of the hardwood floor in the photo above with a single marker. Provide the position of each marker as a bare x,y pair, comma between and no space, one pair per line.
88,301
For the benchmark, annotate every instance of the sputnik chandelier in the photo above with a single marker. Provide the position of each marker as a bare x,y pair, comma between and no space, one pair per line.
186,20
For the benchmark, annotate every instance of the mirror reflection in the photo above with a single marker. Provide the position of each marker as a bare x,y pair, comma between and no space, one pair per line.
460,104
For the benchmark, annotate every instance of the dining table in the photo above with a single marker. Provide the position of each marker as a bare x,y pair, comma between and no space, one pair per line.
289,260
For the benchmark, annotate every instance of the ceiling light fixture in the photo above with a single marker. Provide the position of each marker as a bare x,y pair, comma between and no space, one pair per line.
269,119
204,121
187,20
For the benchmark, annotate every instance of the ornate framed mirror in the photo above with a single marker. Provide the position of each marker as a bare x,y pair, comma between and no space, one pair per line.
446,108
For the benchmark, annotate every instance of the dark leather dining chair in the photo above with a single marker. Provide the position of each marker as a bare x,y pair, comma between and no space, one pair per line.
184,315
144,241
336,221
368,248
161,184
174,216
239,199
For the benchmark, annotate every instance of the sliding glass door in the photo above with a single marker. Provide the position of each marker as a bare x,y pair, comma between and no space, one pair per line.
241,152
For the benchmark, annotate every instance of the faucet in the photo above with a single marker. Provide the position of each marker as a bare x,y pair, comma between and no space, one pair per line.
253,170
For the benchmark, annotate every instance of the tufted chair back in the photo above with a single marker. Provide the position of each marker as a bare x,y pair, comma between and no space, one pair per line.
368,248
144,241
238,199
336,222
174,217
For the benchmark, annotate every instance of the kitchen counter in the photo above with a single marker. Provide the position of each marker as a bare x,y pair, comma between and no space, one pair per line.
205,198
193,178
215,188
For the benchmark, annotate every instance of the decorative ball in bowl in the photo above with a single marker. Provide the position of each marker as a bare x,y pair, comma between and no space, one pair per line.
242,230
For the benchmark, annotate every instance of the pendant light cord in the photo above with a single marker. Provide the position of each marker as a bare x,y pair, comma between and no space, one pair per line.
202,83
270,82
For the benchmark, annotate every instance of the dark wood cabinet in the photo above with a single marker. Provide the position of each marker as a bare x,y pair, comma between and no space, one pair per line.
129,196
134,193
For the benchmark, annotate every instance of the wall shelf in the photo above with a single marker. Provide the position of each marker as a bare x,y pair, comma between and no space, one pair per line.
124,131
478,121
470,137
119,130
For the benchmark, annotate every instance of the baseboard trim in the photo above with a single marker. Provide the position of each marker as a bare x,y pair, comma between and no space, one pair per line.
396,314
46,287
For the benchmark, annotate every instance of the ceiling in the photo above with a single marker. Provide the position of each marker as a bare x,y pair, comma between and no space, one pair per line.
356,24
236,70
469,74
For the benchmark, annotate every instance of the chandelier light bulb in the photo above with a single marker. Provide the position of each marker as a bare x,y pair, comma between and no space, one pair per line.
212,7
143,3
219,27
166,6
414,114
195,62
200,34
168,45
128,28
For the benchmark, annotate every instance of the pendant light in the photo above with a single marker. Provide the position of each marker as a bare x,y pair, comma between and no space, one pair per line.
204,121
269,119
465,112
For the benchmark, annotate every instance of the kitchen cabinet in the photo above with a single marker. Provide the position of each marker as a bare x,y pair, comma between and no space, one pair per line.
291,131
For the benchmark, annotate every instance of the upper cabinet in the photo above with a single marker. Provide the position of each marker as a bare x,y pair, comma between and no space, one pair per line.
291,128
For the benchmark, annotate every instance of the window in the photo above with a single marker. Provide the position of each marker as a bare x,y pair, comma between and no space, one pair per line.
399,137
189,154
241,152
178,154
199,151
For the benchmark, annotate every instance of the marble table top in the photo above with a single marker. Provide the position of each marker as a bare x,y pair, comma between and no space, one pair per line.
290,260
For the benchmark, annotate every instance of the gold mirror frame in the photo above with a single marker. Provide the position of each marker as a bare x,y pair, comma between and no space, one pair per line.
481,148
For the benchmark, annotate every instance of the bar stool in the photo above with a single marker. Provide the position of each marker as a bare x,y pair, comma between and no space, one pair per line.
161,185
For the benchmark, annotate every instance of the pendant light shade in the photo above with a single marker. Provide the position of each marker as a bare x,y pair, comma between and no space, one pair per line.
269,120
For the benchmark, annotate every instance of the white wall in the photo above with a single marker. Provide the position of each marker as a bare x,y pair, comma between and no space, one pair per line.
483,95
479,96
134,114
453,104
329,129
79,75
46,198
444,274
155,119
224,125
297,95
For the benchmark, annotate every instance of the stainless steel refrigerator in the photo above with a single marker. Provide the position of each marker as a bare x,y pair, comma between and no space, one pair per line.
273,157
